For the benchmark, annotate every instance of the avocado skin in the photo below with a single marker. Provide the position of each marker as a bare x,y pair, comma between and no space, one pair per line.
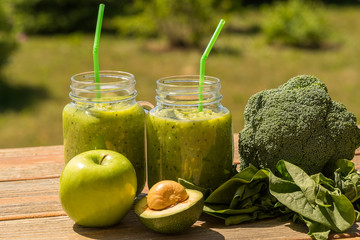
173,223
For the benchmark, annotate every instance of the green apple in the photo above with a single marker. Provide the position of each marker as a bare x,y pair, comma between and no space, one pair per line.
97,188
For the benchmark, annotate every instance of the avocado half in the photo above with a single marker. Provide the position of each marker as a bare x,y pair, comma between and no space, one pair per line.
173,219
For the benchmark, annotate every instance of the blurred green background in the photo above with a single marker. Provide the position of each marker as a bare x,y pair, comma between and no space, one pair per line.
263,44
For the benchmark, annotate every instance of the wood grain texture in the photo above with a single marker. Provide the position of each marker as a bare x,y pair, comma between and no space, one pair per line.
31,163
130,228
30,207
29,199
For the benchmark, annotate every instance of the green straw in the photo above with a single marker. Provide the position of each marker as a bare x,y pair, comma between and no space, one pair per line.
96,49
203,60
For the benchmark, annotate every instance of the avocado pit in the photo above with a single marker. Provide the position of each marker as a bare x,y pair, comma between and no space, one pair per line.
165,194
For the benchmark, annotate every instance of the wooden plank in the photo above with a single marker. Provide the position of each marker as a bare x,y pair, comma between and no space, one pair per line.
130,228
29,199
31,209
356,160
42,163
236,149
31,163
31,154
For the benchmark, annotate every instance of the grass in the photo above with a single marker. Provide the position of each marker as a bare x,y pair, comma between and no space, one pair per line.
37,78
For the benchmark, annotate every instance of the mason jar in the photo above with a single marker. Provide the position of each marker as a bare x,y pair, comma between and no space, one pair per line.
189,133
105,115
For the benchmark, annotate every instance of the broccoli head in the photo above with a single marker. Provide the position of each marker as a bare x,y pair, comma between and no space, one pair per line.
297,122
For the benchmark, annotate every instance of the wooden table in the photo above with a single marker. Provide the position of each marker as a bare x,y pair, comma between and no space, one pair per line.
30,207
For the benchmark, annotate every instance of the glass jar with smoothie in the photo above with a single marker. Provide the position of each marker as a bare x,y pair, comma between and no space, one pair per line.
105,115
185,142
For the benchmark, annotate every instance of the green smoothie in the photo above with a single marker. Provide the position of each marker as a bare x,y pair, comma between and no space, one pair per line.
196,146
114,126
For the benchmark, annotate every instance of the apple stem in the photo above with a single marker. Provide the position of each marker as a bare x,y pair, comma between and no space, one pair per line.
100,163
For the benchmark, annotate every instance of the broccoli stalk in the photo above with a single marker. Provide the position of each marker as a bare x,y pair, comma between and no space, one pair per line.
299,123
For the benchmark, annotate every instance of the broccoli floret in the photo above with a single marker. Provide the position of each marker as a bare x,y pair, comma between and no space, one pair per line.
297,122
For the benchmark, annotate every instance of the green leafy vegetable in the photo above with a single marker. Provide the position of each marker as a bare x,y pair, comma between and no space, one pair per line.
244,197
347,179
320,208
323,204
316,230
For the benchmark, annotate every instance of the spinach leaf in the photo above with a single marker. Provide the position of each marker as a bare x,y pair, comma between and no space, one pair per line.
244,197
235,186
316,230
321,203
307,185
328,183
314,202
347,179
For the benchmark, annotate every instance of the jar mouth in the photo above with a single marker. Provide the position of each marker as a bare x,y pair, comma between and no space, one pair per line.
178,80
184,90
108,77
114,86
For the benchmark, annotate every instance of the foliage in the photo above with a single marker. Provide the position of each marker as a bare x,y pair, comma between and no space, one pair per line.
295,22
47,62
182,23
62,16
244,197
297,122
315,200
8,42
347,179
